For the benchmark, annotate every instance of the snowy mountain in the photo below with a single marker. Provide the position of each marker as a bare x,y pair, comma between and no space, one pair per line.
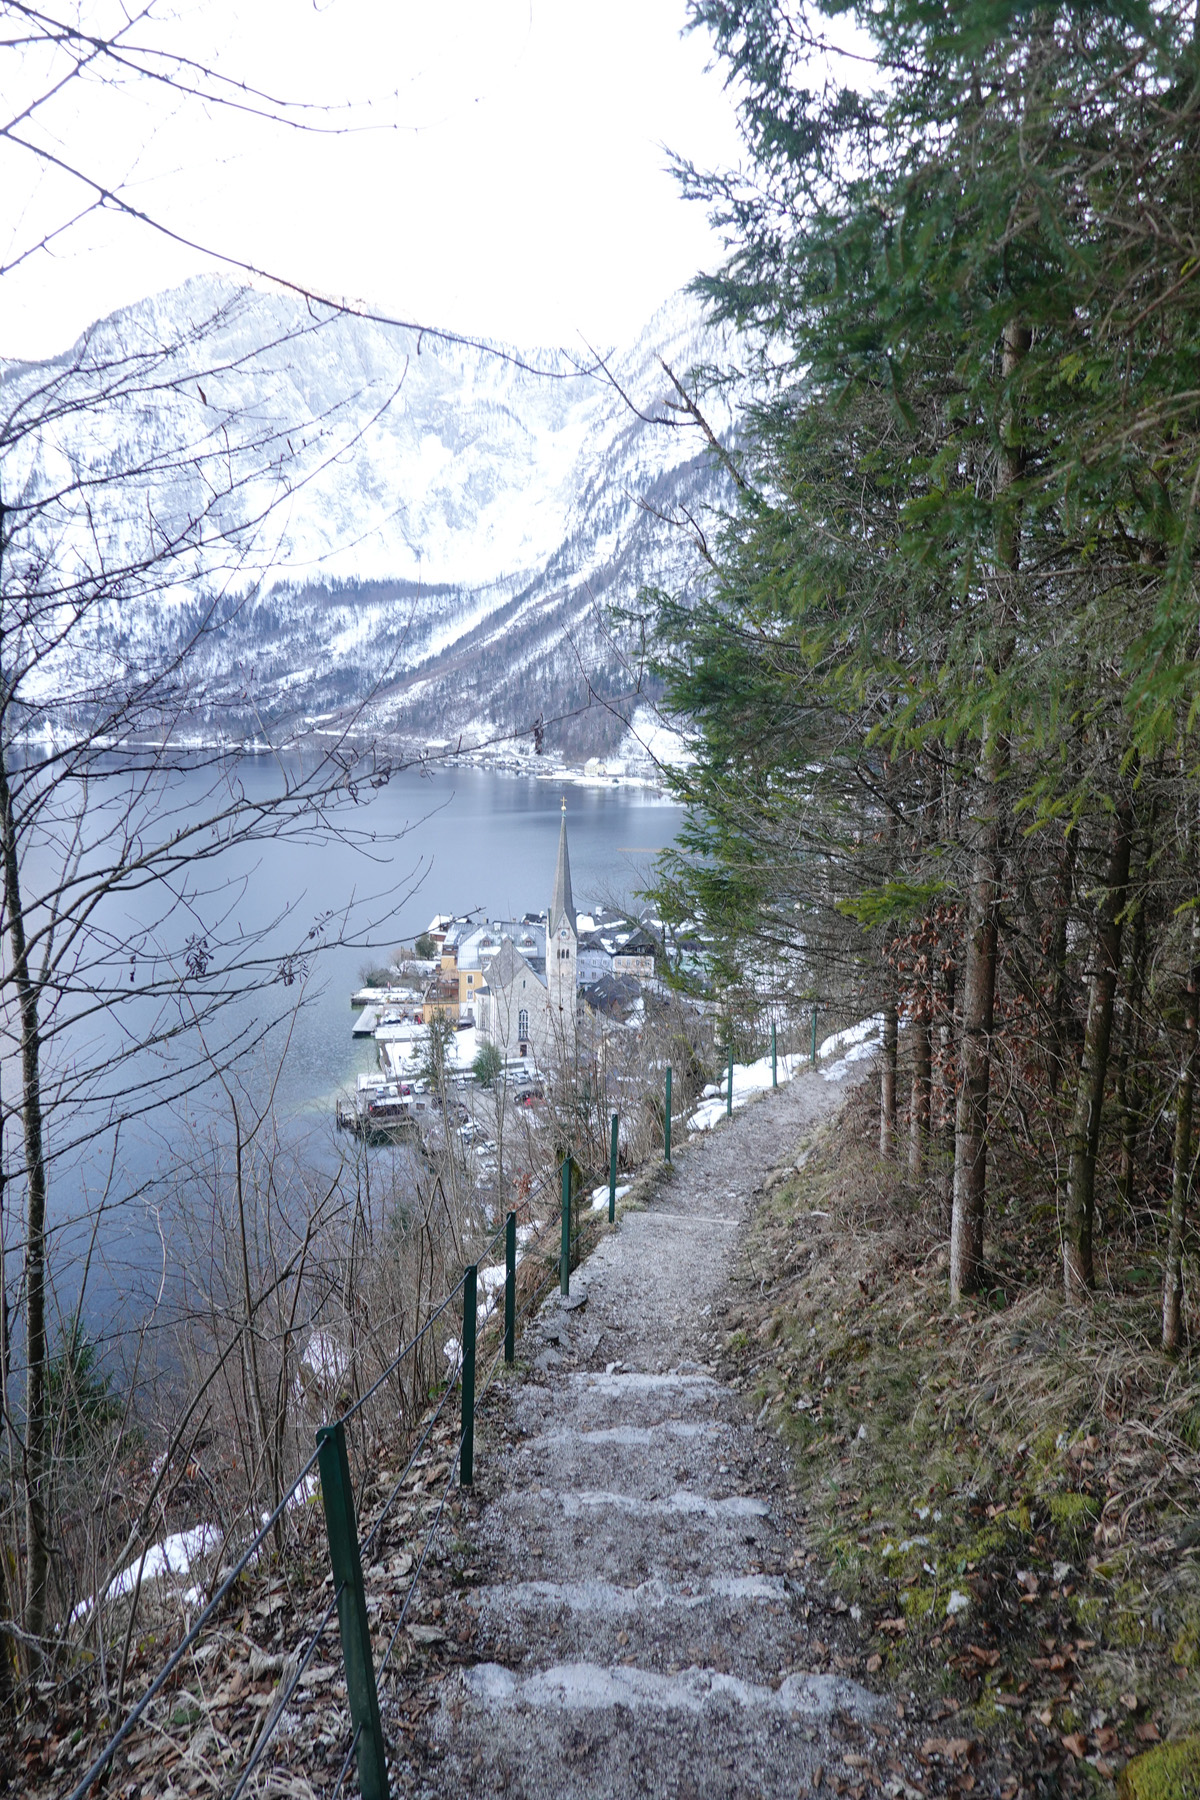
352,517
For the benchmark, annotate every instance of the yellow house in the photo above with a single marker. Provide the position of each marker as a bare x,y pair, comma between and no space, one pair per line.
441,998
465,983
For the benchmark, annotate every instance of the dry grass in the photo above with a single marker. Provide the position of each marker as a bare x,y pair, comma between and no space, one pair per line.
1008,1490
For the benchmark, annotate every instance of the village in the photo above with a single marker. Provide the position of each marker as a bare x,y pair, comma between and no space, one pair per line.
501,1002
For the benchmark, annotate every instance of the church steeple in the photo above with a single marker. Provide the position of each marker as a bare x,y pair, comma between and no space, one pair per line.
562,905
562,943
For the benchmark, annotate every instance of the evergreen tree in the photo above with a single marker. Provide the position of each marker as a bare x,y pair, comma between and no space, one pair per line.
945,672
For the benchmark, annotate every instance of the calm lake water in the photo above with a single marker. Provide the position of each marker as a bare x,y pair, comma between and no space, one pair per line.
472,842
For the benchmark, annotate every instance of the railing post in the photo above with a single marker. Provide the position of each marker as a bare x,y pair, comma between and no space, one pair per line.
564,1261
814,1038
612,1172
667,1138
466,1461
774,1072
729,1096
338,1497
510,1287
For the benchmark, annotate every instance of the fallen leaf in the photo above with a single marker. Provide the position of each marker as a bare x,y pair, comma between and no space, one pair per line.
318,1674
1076,1743
874,1664
1129,1702
897,1627
1147,1731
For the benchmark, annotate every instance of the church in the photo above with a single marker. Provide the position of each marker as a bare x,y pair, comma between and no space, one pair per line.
528,1005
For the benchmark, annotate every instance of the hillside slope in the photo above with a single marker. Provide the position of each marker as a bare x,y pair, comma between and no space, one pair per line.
357,513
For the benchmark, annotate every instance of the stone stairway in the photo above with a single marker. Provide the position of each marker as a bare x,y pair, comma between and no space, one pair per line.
640,1627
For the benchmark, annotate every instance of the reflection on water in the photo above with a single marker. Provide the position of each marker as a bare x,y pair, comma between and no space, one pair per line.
472,842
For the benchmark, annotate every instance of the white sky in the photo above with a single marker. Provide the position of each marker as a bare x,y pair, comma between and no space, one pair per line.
507,174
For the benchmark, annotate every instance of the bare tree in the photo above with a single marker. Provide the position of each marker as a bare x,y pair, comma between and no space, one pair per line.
128,972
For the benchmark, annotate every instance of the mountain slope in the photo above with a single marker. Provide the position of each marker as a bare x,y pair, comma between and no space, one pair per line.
353,517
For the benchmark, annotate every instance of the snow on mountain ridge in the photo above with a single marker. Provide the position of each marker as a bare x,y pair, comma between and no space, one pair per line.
361,501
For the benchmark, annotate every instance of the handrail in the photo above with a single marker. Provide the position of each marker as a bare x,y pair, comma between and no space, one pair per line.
461,1381
413,1342
173,1661
279,1706
406,1471
398,1359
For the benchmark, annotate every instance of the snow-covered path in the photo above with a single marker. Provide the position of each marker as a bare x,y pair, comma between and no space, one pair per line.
639,1627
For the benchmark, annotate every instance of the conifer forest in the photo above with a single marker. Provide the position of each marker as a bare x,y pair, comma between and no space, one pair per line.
945,675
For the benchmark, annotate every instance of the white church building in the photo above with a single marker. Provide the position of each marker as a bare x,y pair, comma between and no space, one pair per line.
528,1005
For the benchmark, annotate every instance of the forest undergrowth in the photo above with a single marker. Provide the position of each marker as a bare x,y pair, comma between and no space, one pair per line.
1003,1493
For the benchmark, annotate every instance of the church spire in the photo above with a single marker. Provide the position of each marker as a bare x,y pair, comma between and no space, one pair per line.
562,904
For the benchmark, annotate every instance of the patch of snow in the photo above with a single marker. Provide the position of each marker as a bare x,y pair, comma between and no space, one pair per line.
859,1042
600,1196
326,1358
175,1555
748,1079
651,740
852,1035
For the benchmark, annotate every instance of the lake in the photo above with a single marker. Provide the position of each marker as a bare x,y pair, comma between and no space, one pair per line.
473,841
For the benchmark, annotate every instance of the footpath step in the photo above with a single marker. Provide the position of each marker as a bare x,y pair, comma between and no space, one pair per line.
583,1729
703,1622
640,1628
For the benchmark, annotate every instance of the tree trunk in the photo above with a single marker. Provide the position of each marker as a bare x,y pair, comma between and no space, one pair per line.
979,973
1172,1298
887,1082
1131,1045
975,1062
1084,1137
1056,955
947,1083
918,1124
34,1469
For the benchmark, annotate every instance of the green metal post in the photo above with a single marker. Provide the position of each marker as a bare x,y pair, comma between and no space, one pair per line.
564,1264
814,1040
338,1496
729,1095
774,1071
466,1461
612,1172
510,1287
667,1146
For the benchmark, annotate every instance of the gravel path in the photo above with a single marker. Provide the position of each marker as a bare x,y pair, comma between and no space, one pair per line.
639,1628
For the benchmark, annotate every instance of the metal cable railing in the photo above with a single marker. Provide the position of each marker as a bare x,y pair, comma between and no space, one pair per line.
172,1663
341,1512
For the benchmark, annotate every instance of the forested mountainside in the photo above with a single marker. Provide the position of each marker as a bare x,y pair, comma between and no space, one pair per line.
356,514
